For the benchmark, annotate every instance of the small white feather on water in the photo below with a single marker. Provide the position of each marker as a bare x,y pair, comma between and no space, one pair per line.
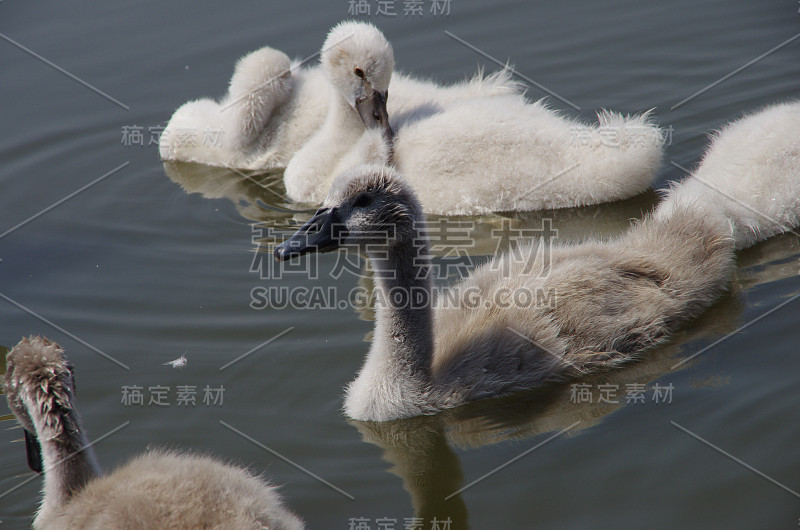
180,362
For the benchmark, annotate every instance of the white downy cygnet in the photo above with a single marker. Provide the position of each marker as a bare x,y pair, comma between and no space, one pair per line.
465,154
273,107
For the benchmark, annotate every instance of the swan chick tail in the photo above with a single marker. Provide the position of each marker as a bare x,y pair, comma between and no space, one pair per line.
182,138
623,151
499,83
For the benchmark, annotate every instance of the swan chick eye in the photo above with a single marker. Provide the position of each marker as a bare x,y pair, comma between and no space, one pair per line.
362,201
359,72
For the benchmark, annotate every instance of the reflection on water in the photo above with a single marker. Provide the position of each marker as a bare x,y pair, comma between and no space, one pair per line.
257,195
769,261
261,198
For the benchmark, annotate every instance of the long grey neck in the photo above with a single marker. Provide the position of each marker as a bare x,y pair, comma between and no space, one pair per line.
404,314
69,461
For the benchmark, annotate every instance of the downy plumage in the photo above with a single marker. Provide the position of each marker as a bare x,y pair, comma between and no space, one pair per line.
602,303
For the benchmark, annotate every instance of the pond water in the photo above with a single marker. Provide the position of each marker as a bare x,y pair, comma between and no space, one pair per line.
144,263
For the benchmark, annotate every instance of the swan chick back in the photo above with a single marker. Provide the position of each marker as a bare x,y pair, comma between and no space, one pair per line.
174,490
749,175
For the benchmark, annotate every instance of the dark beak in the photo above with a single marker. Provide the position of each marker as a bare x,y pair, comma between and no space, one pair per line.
372,109
34,452
323,233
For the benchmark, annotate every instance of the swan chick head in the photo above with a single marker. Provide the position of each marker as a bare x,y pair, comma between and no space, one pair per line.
39,381
369,207
358,61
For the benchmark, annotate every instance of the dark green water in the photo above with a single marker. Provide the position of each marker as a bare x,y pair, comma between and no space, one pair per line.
145,267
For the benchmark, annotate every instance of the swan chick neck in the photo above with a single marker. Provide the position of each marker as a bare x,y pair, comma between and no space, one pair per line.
40,391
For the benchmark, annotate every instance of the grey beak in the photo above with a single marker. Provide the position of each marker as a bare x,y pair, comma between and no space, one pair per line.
372,109
322,233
